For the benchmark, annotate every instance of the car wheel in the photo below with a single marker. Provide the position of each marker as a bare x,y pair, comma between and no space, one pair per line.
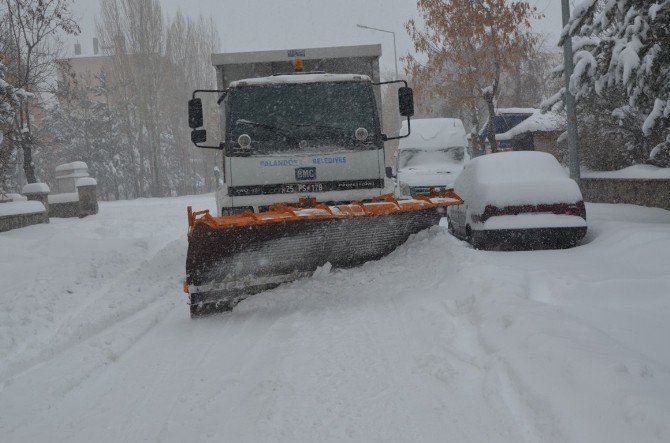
477,241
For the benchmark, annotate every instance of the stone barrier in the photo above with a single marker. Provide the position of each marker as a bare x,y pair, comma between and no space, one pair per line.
643,192
20,214
38,192
88,196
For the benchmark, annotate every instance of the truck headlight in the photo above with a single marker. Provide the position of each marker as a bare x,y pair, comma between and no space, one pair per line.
361,134
405,189
244,141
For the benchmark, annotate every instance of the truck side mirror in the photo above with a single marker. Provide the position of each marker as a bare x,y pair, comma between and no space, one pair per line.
406,101
199,136
389,172
195,119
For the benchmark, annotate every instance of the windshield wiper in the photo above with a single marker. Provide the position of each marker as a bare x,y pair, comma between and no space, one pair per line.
275,129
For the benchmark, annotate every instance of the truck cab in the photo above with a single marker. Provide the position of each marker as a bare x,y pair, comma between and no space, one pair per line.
298,136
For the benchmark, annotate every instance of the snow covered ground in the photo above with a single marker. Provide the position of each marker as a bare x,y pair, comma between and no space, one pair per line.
436,342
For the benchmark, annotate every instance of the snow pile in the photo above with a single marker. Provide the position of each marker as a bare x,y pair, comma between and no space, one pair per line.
20,207
648,172
13,197
299,78
36,188
64,197
549,121
71,166
85,181
505,111
434,133
515,178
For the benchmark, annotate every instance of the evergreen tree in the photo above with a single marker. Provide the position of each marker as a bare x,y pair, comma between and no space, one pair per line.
625,44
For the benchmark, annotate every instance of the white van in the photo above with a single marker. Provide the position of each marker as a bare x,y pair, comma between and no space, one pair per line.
431,157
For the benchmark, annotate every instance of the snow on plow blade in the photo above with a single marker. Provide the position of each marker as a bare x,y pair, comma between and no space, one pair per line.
234,256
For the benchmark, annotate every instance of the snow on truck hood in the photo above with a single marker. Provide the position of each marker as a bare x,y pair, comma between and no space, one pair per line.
300,78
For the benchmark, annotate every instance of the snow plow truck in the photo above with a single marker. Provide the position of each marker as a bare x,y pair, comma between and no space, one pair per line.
305,181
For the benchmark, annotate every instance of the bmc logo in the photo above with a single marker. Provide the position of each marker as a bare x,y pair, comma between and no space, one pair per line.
305,173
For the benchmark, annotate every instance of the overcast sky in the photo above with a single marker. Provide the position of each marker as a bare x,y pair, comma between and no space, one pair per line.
254,25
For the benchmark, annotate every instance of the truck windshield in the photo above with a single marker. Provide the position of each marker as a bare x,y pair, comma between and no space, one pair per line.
303,116
429,158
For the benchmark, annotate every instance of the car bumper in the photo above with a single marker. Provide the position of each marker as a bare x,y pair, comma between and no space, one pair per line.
533,238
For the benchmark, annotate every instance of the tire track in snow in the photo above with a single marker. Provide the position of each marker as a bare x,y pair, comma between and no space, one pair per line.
481,283
90,325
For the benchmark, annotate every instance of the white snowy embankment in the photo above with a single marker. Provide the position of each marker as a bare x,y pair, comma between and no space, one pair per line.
36,188
632,172
436,342
20,207
65,197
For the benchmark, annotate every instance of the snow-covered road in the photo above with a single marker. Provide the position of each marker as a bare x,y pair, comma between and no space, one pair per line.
436,342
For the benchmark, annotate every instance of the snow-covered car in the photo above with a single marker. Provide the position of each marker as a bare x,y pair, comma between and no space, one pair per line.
431,157
517,200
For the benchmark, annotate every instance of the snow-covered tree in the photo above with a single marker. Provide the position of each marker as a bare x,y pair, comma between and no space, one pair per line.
611,140
31,29
127,120
471,44
11,99
81,127
624,44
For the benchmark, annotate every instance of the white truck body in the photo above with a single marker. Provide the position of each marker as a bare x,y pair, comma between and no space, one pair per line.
303,166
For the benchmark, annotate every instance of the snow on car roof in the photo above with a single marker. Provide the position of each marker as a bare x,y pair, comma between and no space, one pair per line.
433,133
299,78
538,122
512,166
515,178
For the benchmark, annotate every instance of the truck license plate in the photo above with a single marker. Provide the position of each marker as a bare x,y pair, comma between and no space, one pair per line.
295,188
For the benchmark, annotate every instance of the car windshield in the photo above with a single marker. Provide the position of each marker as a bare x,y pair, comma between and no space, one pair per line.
430,158
282,117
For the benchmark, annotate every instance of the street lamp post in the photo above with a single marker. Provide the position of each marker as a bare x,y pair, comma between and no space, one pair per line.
395,52
573,136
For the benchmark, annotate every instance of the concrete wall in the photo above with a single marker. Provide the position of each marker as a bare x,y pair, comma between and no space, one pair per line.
644,192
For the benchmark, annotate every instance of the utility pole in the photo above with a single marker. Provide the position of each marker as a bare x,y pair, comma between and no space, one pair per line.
395,52
568,65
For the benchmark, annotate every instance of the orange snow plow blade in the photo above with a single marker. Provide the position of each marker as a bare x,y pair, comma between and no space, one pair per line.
231,257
